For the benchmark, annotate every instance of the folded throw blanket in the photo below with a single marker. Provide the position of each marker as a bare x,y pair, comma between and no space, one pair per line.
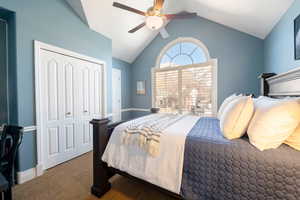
146,132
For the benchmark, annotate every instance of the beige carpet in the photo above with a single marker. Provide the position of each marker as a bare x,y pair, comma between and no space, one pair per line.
72,181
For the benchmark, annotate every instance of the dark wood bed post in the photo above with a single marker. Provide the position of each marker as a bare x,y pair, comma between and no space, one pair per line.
264,87
102,131
101,172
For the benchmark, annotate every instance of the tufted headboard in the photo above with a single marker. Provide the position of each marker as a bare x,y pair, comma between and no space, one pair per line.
281,85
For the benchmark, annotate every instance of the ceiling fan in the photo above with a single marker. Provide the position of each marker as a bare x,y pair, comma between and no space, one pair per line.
154,17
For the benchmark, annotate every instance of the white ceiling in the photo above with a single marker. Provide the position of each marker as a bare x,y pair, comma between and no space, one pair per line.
255,17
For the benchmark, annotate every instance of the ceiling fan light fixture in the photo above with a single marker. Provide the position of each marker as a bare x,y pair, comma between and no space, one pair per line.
154,22
155,18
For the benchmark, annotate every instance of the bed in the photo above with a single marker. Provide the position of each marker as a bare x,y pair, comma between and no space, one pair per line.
197,162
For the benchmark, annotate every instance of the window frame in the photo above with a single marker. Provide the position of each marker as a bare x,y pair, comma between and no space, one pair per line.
182,40
212,62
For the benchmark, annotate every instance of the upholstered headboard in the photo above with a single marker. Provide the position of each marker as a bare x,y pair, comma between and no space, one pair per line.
285,84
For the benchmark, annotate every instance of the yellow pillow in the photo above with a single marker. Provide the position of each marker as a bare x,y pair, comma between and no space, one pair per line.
294,139
272,123
236,117
225,104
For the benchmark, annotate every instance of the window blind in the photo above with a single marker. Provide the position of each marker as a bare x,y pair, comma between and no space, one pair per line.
184,89
167,91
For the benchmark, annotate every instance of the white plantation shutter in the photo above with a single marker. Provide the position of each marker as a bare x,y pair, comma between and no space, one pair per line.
185,89
197,90
166,90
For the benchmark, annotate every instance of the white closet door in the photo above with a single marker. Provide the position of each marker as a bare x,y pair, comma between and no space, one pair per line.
58,112
89,79
96,90
69,115
71,91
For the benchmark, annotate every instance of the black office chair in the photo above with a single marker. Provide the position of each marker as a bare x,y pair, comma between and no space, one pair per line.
11,139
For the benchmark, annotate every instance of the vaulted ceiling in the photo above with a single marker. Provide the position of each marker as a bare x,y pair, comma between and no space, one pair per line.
255,17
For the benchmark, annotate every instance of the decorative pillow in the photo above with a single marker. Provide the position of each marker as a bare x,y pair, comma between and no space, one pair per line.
225,103
273,122
236,117
294,139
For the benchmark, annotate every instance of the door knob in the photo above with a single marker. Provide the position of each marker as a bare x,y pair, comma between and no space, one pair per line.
68,113
85,111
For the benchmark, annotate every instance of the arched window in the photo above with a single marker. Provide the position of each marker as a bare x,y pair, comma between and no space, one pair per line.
183,51
185,79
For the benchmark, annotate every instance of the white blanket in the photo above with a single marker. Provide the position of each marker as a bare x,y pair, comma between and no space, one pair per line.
147,131
165,170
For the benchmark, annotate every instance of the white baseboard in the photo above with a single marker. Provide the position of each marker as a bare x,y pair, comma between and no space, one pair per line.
27,175
135,109
24,176
126,109
39,170
140,109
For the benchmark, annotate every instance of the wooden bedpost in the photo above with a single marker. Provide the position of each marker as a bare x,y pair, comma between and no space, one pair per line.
264,88
101,172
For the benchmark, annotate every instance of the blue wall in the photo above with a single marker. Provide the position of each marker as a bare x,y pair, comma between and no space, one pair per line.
240,57
279,45
55,23
126,77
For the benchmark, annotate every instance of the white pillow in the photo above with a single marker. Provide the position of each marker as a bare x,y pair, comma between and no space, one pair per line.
263,99
273,122
294,139
236,117
225,103
293,98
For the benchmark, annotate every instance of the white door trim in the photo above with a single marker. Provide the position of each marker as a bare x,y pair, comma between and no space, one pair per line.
38,46
120,90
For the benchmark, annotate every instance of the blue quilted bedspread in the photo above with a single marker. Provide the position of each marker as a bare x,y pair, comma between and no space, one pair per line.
218,169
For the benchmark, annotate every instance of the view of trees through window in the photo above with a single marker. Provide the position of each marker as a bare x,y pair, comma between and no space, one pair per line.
184,81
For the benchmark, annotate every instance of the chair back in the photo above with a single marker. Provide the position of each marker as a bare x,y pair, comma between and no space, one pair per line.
11,139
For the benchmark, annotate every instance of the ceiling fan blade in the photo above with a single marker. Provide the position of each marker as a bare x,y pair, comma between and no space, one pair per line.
137,28
124,7
158,4
164,34
182,15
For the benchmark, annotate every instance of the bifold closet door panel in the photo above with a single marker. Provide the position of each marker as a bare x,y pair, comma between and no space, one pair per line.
96,94
96,80
90,78
60,125
83,73
69,130
89,85
82,85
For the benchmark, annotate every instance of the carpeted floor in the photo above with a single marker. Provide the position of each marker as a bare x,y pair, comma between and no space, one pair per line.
72,181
